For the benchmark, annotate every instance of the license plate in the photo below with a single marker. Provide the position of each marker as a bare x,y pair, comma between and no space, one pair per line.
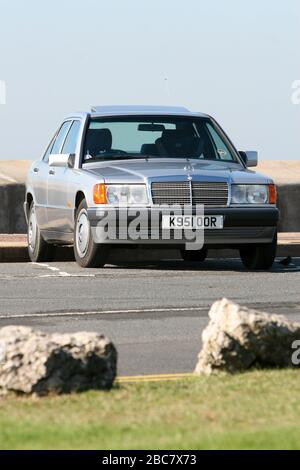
206,222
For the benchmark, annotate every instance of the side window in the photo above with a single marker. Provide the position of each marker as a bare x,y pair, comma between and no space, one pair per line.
72,137
60,137
221,150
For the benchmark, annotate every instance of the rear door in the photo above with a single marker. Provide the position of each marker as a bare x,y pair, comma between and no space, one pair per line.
38,181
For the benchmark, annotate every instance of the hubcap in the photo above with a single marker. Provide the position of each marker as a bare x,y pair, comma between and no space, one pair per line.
32,230
82,234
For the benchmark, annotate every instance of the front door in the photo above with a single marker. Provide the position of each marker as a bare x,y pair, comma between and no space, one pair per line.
59,206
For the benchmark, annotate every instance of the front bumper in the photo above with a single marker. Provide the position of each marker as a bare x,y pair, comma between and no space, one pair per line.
242,225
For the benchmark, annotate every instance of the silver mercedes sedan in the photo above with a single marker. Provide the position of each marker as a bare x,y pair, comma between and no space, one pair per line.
157,176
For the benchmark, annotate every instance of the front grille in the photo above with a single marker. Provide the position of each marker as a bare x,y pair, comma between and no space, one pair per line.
171,193
186,192
210,194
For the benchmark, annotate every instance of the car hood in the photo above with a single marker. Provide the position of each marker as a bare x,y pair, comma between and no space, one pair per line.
137,171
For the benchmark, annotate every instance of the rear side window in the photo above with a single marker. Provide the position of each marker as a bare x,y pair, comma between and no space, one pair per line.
72,137
48,151
61,137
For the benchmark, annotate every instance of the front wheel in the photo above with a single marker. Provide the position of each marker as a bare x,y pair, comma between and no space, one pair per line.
260,256
38,249
87,253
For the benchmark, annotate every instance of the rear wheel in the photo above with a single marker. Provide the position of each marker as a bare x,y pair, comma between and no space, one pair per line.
260,256
194,255
38,249
87,253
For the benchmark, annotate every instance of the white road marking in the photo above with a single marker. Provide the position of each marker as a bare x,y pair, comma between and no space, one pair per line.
103,312
41,276
61,274
7,178
53,268
43,265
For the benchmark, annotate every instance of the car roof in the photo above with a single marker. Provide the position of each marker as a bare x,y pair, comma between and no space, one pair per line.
117,110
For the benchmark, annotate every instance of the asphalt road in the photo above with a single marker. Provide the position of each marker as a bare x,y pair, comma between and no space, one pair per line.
154,313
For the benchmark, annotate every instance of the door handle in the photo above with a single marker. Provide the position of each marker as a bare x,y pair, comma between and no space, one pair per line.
36,170
51,172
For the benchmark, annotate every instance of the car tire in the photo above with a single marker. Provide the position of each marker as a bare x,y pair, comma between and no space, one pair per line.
88,254
38,249
194,255
259,257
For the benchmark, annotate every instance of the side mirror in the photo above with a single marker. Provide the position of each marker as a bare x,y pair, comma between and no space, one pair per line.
250,158
60,160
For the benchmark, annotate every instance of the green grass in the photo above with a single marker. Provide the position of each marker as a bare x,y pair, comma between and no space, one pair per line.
256,410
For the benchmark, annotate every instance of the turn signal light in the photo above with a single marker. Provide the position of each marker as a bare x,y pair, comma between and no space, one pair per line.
272,194
99,194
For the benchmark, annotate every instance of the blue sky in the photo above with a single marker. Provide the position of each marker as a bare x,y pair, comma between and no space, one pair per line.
233,59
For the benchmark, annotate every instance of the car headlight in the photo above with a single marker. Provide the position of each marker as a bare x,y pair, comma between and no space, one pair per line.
250,194
121,194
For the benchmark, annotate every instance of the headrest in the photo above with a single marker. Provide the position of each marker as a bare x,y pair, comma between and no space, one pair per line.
176,134
179,143
98,140
149,149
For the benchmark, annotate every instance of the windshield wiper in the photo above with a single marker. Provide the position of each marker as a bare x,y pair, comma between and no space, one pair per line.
121,156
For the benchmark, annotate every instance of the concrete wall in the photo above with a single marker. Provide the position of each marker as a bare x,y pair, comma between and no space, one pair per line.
289,206
12,219
285,174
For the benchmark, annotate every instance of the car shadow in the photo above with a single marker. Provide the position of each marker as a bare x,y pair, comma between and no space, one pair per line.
212,265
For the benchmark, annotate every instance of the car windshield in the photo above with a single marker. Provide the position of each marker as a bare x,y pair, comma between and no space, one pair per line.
157,137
